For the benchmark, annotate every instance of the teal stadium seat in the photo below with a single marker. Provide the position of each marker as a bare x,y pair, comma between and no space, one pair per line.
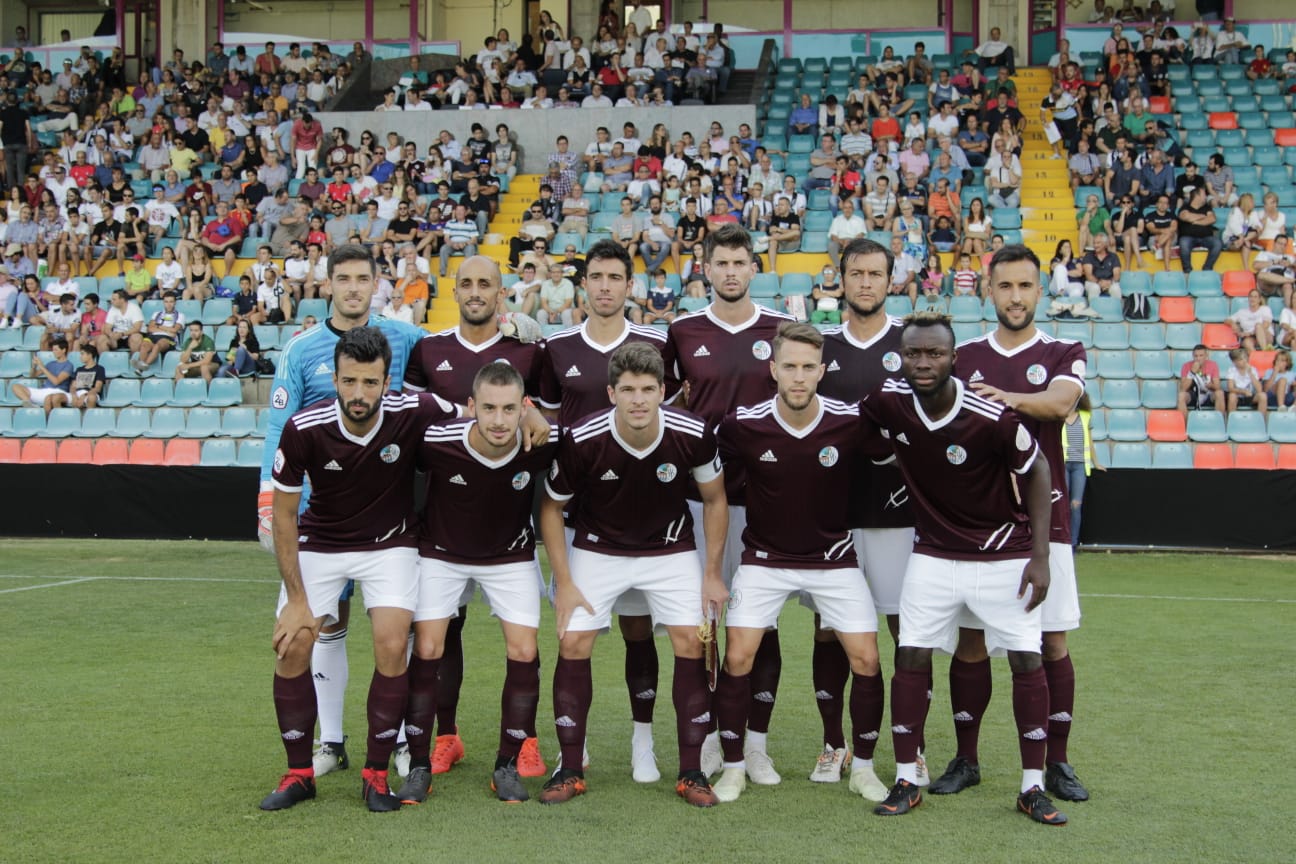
1111,336
61,423
1247,427
1172,455
155,393
1114,364
131,423
189,393
1159,394
97,423
1212,310
238,422
249,452
27,423
218,453
202,423
224,393
1126,425
1121,394
1131,455
1206,427
1147,336
166,423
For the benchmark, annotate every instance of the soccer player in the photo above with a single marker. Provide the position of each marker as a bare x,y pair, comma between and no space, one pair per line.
798,452
721,357
304,376
858,356
626,472
1041,378
479,531
359,449
573,385
445,364
979,491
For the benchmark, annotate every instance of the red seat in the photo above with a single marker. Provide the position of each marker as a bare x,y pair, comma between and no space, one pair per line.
1287,457
1212,456
1259,457
1177,310
1219,337
111,451
1285,137
182,451
74,451
1223,120
10,450
39,451
1159,104
146,451
1238,283
1166,424
1263,361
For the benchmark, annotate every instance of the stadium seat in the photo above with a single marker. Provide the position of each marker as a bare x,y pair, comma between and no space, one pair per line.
1120,393
795,283
1185,336
1222,119
898,305
1286,457
1212,456
75,451
1159,394
1247,427
1172,455
1238,283
189,392
1219,337
692,304
1131,455
814,244
1206,426
1202,283
1111,336
1285,137
110,451
1154,365
32,336
249,453
39,451
312,306
215,312
238,422
224,393
27,423
1262,360
1166,424
202,423
181,452
61,423
154,393
1114,364
166,423
15,364
6,420
1135,282
764,285
97,423
116,364
1177,310
10,338
10,451
1282,427
965,309
1257,457
1126,425
1169,283
217,453
1147,337
1212,310
1075,331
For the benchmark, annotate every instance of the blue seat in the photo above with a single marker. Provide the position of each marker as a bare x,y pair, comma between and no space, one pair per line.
764,285
189,393
795,283
32,337
966,309
1263,157
1168,283
1094,391
249,452
1121,393
190,309
1108,308
224,392
1145,336
814,243
15,364
1076,331
1153,364
817,220
1206,426
131,423
1172,455
1114,364
6,420
218,453
1282,427
898,305
97,423
61,423
263,423
267,335
1125,424
313,306
10,338
1111,336
965,330
216,312
1275,175
27,423
1213,310
819,199
238,422
1160,394
121,393
1183,336
202,423
155,393
116,364
1131,455
166,423
1007,218
1247,427
1135,282
1098,425
1204,283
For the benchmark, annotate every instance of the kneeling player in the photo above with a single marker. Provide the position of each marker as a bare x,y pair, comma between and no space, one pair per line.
981,544
627,471
480,485
798,452
359,451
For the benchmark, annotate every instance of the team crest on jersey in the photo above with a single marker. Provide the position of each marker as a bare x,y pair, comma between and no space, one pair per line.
389,454
955,454
828,457
761,349
891,361
279,399
666,472
278,461
1036,374
521,479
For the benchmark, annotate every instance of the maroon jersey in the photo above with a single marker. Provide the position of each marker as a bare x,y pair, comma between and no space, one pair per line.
483,508
633,502
797,480
445,364
853,370
362,489
961,471
1031,368
725,367
574,370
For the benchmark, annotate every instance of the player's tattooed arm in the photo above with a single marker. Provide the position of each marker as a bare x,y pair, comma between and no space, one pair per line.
1039,505
1052,404
296,615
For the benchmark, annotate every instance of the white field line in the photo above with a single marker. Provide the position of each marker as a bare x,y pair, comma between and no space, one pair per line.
45,585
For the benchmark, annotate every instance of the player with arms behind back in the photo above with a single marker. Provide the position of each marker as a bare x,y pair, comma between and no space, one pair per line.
798,453
980,499
359,450
626,472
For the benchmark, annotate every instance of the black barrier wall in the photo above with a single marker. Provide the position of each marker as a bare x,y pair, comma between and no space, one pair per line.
1206,509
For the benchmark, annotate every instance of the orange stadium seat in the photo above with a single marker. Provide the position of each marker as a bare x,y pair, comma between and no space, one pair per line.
1166,424
1212,456
1287,457
1219,337
10,450
74,451
1263,361
39,451
1285,137
1223,120
1259,457
146,451
1177,310
1237,283
111,451
1159,104
182,451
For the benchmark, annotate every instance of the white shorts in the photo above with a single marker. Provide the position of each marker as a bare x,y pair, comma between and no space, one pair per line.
841,596
388,577
671,586
512,590
1060,611
733,540
937,592
40,394
883,555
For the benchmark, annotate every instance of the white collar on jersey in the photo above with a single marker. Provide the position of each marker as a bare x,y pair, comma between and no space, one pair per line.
710,313
638,454
611,346
482,458
369,436
948,418
1005,352
477,349
797,433
850,337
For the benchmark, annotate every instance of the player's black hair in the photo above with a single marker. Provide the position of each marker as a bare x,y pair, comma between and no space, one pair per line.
1011,254
728,236
928,318
87,348
607,250
363,345
637,358
498,373
865,246
352,252
798,331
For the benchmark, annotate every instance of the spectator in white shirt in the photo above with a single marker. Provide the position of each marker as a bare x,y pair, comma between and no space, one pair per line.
1253,324
846,226
994,52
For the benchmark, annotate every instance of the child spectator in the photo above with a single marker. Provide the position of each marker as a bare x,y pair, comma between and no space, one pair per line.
965,280
89,380
1242,383
933,277
826,296
661,300
943,237
1280,382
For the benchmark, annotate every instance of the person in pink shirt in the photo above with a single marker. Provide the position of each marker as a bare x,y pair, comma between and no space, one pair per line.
307,134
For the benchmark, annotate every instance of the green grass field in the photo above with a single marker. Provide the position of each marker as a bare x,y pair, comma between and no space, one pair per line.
137,726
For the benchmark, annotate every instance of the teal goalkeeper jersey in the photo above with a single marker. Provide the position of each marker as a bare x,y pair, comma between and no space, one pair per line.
305,374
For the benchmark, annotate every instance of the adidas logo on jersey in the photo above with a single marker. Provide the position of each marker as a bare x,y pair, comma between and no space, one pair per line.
768,456
323,369
976,377
332,466
444,366
609,475
457,480
702,352
573,372
833,367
